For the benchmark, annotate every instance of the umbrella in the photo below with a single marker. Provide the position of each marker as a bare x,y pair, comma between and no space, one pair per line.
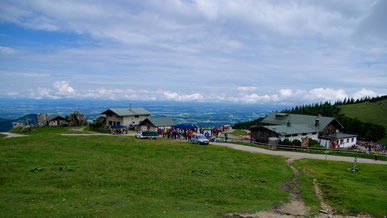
119,127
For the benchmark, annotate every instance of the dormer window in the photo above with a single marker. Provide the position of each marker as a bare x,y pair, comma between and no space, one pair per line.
280,116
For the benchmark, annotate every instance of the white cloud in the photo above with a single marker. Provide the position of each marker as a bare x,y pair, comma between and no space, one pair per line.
364,92
41,93
328,94
63,88
283,96
246,88
182,97
286,92
7,50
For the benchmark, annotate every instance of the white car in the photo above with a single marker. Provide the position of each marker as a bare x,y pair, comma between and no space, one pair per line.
199,139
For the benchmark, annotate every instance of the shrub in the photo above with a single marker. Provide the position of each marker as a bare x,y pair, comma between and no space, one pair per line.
313,142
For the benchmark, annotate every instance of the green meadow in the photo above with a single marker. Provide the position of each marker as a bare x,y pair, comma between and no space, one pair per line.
238,132
349,193
48,175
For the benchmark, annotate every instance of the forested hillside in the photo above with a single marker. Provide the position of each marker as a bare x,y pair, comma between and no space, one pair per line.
370,111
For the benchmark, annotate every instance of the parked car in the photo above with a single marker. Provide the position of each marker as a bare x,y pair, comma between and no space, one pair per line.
147,135
199,139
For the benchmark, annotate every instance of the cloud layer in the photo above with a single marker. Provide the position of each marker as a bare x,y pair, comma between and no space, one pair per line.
62,89
243,51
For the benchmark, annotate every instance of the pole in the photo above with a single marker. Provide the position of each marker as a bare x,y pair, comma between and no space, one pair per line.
354,165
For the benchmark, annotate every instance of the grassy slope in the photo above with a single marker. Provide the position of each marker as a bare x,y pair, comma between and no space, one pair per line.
50,130
238,132
130,177
368,112
2,136
349,192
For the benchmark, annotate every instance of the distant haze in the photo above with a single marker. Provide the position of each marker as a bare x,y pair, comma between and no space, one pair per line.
202,114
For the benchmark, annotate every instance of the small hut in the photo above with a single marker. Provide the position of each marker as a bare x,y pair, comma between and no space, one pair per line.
56,120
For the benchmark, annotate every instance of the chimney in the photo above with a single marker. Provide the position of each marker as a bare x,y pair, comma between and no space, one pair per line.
317,123
289,124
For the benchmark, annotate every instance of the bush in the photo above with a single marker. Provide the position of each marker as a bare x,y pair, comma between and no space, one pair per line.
313,142
288,142
296,142
99,127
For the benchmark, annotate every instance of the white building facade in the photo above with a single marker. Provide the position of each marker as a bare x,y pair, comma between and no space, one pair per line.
340,140
129,117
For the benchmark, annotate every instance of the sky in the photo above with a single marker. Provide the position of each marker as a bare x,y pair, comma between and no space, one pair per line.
234,51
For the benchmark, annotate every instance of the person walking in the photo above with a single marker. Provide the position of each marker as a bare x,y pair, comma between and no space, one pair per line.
376,155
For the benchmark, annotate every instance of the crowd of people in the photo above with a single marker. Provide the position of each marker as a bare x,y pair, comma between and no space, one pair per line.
186,133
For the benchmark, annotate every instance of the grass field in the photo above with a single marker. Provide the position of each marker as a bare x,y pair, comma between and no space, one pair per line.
349,192
49,131
368,112
238,132
2,136
47,175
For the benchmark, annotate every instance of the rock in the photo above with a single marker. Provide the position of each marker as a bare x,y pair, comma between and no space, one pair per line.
42,119
18,125
100,119
26,128
77,119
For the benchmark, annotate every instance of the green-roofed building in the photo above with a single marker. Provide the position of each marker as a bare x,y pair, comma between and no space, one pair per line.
152,123
280,126
129,117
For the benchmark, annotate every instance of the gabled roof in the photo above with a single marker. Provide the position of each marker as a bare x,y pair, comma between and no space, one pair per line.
295,119
124,112
160,121
54,117
293,129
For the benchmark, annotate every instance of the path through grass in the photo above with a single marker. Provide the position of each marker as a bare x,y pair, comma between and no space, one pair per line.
351,193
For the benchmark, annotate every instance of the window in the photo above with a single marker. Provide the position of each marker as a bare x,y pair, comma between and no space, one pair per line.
287,136
118,123
110,122
352,139
304,133
136,116
314,133
347,140
294,135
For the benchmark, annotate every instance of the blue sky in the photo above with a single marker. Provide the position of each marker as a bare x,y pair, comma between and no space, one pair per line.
235,51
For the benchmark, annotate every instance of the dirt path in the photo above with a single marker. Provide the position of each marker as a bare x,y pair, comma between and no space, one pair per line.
12,135
296,207
96,133
297,155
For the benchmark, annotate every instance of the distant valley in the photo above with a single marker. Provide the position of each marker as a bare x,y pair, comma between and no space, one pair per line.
202,114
